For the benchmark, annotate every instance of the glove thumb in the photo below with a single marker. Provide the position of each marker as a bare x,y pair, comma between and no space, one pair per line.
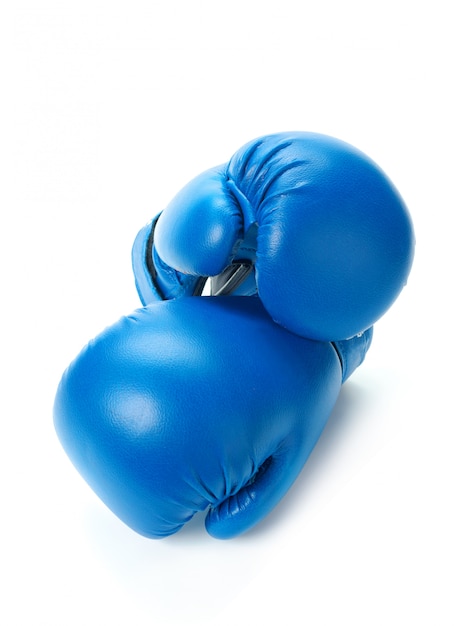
244,509
197,233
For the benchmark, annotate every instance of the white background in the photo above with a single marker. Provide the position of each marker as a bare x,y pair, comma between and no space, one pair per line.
106,109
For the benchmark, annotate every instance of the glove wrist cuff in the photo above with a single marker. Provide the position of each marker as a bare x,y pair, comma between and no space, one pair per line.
351,352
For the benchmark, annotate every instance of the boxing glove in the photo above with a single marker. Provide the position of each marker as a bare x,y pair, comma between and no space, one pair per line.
165,418
307,222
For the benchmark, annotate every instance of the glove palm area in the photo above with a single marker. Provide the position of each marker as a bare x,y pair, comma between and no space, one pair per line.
195,404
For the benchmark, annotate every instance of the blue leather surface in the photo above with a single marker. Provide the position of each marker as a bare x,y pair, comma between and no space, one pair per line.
333,239
195,404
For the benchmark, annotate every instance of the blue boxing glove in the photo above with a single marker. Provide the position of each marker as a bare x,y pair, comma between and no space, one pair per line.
306,222
137,417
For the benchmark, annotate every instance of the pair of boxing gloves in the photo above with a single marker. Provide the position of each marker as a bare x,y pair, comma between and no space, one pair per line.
215,403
